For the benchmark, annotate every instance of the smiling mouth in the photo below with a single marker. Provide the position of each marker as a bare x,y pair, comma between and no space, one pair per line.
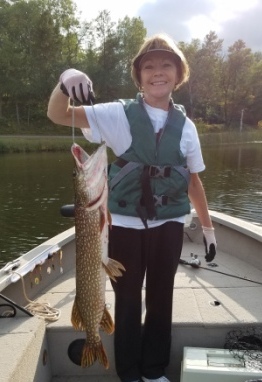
158,83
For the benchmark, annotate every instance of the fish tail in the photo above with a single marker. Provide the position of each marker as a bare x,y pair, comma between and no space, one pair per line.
91,353
107,323
114,269
76,318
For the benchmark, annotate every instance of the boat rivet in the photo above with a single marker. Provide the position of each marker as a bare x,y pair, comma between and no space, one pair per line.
215,303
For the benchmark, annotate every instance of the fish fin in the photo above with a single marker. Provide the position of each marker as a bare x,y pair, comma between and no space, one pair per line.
91,353
105,218
76,318
114,269
102,218
109,218
107,323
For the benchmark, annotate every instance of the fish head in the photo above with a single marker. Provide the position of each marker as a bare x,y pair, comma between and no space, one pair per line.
90,175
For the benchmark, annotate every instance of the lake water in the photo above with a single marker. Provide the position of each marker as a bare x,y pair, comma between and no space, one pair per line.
34,186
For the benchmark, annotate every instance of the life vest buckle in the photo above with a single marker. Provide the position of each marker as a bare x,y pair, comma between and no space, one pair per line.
160,200
159,171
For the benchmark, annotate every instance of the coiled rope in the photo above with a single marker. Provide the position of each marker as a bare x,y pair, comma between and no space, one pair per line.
42,310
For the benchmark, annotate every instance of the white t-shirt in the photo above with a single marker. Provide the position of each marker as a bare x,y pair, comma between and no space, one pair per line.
108,123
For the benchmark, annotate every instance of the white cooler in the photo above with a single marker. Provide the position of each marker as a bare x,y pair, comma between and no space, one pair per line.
215,365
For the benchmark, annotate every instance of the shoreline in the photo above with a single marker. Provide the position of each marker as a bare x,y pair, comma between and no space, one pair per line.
51,143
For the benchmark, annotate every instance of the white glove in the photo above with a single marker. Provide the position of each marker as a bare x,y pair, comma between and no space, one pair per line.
210,243
77,86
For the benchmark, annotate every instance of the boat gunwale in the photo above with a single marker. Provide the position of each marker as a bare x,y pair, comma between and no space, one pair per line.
246,228
36,256
39,254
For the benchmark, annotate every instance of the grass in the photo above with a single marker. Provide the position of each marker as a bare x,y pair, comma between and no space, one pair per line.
41,143
30,144
26,144
230,137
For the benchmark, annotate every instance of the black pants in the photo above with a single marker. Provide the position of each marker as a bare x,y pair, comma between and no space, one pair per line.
154,252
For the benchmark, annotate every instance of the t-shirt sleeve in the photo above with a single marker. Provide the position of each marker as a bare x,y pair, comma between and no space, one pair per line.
108,123
191,148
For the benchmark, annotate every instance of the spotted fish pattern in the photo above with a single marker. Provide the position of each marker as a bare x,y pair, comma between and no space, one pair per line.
92,222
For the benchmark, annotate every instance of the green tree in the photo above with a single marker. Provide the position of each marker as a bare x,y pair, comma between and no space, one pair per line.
109,55
203,85
235,82
41,38
187,94
36,36
105,57
130,35
253,114
5,54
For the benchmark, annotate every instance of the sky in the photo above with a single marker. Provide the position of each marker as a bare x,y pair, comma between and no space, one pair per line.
185,20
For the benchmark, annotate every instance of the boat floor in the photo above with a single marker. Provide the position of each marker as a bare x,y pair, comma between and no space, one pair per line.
206,306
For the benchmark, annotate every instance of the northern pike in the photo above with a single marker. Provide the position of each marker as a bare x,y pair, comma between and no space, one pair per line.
92,220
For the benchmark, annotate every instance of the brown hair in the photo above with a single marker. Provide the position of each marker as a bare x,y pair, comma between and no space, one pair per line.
160,42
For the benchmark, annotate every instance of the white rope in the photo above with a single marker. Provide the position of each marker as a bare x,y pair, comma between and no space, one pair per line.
42,310
73,121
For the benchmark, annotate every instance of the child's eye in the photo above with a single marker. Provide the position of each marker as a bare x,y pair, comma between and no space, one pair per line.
148,66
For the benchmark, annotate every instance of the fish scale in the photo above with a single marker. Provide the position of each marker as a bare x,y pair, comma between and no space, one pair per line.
89,312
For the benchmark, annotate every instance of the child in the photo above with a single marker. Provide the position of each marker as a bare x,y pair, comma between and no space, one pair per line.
151,184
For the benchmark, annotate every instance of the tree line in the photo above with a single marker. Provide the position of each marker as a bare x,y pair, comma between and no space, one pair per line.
41,38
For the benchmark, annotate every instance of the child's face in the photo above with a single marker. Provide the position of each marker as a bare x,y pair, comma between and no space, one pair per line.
158,75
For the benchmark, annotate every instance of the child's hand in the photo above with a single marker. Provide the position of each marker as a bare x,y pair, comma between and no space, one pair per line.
77,86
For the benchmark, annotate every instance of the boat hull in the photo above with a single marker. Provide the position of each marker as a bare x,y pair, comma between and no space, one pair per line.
208,301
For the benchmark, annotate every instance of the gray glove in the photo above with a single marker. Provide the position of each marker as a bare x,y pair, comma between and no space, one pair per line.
77,86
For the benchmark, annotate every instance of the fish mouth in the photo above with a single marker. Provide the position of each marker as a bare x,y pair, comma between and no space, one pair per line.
90,175
79,155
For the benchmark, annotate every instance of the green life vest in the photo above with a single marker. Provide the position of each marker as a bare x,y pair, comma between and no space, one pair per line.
150,180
